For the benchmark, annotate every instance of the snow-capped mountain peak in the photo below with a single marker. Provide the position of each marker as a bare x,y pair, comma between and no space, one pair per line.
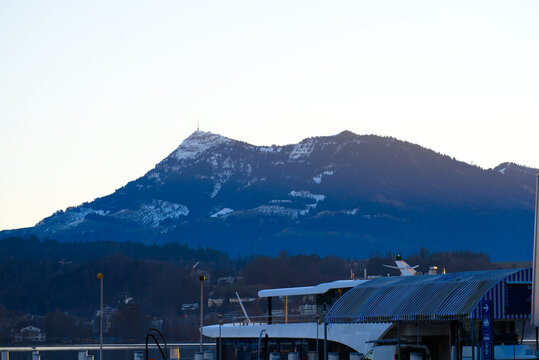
198,143
345,192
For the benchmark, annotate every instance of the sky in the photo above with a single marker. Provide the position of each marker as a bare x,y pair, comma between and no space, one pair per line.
93,94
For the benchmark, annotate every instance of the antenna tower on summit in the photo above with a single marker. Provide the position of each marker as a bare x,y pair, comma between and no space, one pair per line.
198,125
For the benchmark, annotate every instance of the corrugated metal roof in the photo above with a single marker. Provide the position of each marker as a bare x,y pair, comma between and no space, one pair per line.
428,297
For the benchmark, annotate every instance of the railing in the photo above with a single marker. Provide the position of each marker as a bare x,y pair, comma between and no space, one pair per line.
91,351
93,347
275,319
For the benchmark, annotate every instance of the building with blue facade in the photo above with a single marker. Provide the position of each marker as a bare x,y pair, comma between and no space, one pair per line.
450,313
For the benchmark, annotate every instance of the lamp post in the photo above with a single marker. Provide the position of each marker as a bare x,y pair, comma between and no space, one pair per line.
220,316
202,278
100,277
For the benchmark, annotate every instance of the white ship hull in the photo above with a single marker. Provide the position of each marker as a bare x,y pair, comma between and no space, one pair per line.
355,336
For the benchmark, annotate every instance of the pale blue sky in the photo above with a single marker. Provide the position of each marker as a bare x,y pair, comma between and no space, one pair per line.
93,94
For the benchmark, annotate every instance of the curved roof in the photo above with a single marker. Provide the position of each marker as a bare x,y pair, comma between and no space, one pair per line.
428,297
311,290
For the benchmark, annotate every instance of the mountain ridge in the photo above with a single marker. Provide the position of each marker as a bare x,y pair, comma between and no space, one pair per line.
323,195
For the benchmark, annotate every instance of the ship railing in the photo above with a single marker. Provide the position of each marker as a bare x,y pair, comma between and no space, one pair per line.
275,319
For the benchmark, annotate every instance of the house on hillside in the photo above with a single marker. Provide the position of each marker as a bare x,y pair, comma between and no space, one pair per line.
217,302
107,319
190,307
29,334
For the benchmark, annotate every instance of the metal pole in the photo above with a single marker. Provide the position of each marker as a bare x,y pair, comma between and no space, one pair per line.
270,320
459,341
202,278
243,308
535,268
450,340
220,316
317,324
100,277
536,342
266,347
325,340
101,325
399,339
459,334
286,309
473,340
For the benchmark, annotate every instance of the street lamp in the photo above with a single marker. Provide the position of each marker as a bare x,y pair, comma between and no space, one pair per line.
201,278
100,277
220,316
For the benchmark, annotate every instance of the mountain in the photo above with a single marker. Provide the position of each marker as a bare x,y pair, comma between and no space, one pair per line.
348,194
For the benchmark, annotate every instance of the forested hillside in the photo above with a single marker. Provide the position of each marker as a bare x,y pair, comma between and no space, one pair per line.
56,282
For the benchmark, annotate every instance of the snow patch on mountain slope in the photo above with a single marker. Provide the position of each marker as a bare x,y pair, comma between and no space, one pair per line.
154,175
216,188
302,150
279,207
69,218
223,170
280,201
198,143
214,160
307,195
77,215
318,178
280,211
222,212
159,210
268,149
327,143
249,168
152,214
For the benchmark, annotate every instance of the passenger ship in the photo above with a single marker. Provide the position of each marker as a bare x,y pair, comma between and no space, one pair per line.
258,337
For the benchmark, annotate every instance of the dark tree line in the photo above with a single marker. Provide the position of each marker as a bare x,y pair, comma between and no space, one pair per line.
31,247
159,279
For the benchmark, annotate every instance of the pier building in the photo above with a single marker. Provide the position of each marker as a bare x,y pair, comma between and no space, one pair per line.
456,316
